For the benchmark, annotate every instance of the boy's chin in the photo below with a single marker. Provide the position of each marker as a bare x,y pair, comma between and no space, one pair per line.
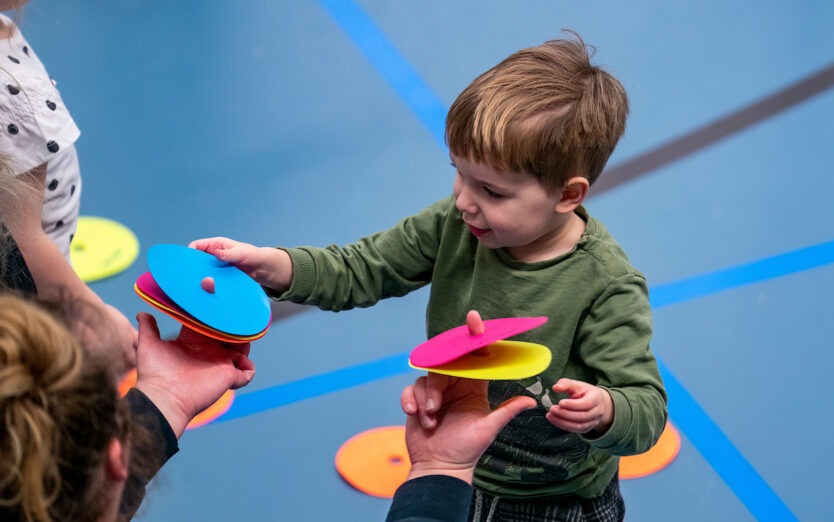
489,241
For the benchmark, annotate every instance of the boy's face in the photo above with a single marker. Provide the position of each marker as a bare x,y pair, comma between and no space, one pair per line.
505,209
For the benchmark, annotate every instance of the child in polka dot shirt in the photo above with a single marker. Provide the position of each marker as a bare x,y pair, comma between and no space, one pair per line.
37,136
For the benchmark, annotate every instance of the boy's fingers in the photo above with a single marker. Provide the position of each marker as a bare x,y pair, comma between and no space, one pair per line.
204,244
230,254
474,323
581,404
573,416
211,245
570,386
568,425
572,427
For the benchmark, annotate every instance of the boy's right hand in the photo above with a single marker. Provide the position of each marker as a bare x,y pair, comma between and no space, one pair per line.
270,267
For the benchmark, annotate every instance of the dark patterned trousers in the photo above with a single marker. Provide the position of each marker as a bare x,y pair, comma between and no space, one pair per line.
608,507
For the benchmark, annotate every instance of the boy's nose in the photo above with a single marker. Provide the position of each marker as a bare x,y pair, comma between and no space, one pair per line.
465,204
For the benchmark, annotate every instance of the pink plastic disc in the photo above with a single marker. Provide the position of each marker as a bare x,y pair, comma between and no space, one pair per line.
148,284
457,342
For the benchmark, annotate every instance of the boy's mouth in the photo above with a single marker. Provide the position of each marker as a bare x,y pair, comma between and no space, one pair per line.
478,232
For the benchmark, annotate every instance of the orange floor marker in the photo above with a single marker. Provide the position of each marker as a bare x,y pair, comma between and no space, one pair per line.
375,461
214,411
128,382
211,413
654,460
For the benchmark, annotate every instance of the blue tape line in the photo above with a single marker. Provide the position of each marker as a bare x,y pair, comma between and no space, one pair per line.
283,394
663,295
704,434
754,272
391,65
727,461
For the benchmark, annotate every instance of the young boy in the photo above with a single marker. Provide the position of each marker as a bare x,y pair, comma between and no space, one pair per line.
527,138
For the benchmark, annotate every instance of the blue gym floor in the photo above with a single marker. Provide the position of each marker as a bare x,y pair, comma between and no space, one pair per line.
317,122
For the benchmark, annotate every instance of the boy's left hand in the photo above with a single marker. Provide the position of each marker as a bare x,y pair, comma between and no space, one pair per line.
587,408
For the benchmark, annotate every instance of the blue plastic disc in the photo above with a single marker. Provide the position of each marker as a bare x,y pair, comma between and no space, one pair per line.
238,306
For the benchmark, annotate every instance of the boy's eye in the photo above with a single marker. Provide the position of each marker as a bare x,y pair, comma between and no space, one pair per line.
490,193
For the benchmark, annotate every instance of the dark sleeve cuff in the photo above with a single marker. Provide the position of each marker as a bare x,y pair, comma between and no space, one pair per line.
145,412
152,443
433,498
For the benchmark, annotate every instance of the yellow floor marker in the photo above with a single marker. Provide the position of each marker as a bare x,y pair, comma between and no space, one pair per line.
102,248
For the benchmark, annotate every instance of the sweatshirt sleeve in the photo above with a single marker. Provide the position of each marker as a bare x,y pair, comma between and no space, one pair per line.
433,498
390,263
614,341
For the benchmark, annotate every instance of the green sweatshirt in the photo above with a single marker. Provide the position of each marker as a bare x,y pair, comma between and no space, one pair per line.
598,330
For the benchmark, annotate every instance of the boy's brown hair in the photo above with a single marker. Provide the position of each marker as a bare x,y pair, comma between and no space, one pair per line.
545,111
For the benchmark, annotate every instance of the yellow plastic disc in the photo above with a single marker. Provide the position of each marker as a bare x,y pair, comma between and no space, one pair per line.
502,360
102,248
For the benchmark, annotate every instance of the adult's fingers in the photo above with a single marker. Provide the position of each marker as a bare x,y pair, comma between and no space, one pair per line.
427,418
575,427
407,400
148,330
187,335
243,348
436,384
245,373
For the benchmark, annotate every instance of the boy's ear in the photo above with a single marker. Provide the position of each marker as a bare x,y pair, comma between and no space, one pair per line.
573,194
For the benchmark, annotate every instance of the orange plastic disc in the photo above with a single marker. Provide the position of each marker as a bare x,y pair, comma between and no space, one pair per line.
375,461
214,411
128,382
196,326
654,460
211,413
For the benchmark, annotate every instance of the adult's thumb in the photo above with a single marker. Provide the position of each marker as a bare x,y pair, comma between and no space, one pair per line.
507,410
148,330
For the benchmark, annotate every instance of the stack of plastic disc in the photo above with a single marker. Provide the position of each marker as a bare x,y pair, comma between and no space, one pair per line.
487,355
233,308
